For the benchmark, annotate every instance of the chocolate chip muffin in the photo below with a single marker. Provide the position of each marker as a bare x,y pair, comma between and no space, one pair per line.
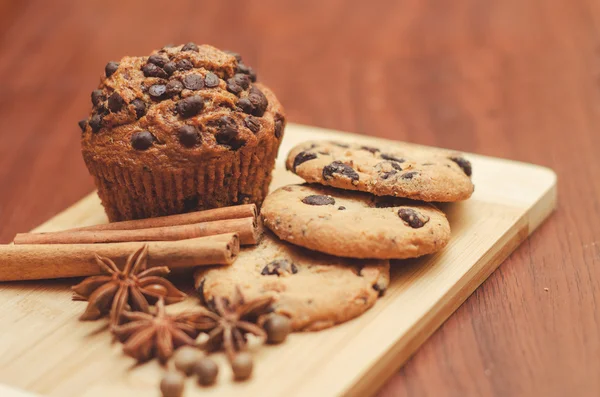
186,128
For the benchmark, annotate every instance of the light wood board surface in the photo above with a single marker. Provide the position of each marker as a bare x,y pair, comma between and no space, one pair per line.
44,349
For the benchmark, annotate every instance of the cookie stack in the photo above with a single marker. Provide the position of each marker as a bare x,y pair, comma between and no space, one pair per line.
327,258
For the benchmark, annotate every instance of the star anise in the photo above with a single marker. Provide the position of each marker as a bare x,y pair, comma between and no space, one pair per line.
135,286
228,323
147,335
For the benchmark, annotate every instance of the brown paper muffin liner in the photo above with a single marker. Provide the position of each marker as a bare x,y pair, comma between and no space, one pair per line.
147,191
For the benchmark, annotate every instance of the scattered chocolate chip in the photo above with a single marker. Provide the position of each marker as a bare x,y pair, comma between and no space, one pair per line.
97,97
409,175
279,267
211,80
170,68
395,165
188,136
184,64
238,83
337,167
302,157
151,70
412,217
380,286
318,199
115,102
96,122
173,87
244,69
279,122
391,157
388,174
190,106
227,130
464,164
237,56
255,103
370,149
140,107
190,47
193,82
142,140
277,328
158,60
341,208
110,68
253,123
82,124
156,91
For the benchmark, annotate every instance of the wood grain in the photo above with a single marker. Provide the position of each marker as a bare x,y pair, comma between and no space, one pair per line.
514,78
352,359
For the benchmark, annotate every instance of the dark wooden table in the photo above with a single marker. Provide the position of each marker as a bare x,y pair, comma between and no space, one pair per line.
515,78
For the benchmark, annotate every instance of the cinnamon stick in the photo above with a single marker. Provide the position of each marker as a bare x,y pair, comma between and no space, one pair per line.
249,230
47,261
217,214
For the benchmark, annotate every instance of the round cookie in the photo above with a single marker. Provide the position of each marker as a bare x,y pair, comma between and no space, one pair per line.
314,290
409,171
354,224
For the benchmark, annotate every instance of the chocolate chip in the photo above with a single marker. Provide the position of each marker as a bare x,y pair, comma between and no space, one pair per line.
464,164
189,136
303,157
115,102
279,267
244,69
97,97
151,70
211,80
227,130
170,68
318,199
279,122
409,175
252,123
142,140
237,56
255,103
82,124
96,122
370,149
190,47
156,91
388,174
173,87
380,286
184,64
193,82
238,83
190,106
337,167
341,208
110,68
391,157
158,60
412,218
140,107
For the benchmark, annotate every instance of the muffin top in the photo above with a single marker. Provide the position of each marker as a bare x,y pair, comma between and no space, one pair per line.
180,104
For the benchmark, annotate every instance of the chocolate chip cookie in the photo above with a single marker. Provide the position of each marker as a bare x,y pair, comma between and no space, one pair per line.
355,224
314,290
401,171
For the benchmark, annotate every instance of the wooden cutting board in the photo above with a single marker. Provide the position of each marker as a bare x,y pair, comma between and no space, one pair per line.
45,350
